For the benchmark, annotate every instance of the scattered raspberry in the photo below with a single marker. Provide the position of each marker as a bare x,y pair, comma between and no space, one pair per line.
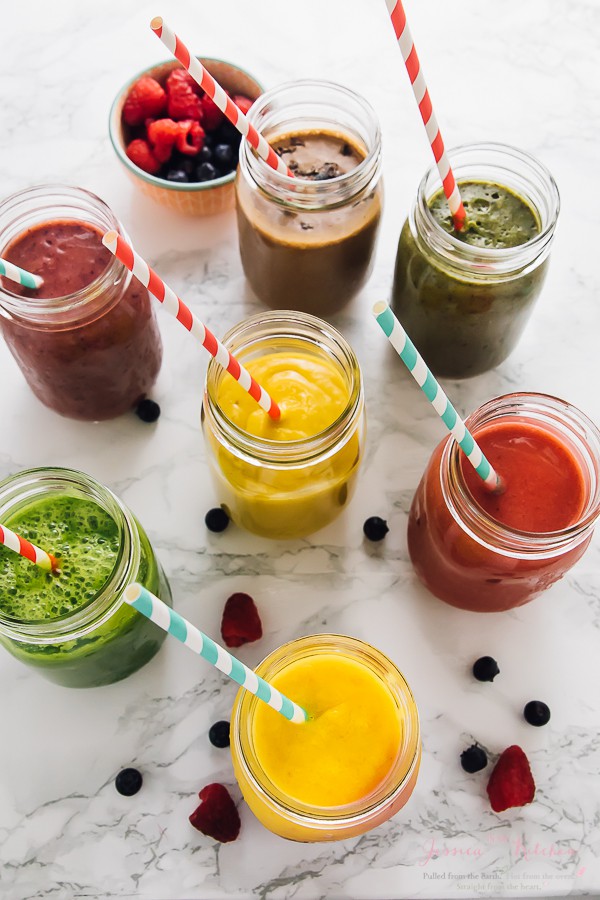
217,815
511,783
162,134
244,103
182,100
240,623
211,114
190,137
146,99
140,153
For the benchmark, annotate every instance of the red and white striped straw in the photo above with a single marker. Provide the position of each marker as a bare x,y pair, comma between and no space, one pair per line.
417,79
25,548
214,90
177,308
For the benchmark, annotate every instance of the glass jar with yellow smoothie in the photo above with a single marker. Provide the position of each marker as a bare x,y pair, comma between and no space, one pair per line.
327,779
290,477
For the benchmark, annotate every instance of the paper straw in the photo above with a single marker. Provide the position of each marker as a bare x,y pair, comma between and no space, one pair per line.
214,90
177,308
20,276
417,367
25,548
166,618
417,79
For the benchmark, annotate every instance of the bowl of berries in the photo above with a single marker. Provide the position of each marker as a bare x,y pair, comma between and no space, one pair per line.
172,140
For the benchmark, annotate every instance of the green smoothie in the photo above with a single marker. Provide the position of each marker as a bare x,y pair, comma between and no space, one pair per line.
88,544
464,315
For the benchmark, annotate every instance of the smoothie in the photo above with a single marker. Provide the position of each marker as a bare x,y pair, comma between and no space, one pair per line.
88,346
347,769
88,545
489,552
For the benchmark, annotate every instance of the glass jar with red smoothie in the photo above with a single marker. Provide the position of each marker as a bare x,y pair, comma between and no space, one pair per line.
485,552
86,341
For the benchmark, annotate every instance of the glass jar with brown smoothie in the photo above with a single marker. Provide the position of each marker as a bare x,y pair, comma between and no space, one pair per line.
464,297
87,340
307,241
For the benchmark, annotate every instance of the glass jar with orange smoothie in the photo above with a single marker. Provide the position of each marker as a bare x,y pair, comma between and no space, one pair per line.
87,340
290,477
327,779
489,552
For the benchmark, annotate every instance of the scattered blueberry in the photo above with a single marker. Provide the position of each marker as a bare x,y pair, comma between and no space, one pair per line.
177,175
206,172
218,734
474,759
147,410
537,713
128,782
224,156
216,519
205,155
485,668
375,529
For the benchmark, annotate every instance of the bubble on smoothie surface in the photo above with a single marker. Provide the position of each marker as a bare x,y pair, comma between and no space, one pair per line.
83,537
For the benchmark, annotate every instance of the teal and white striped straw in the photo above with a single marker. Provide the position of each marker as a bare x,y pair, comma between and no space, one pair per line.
417,367
167,619
20,276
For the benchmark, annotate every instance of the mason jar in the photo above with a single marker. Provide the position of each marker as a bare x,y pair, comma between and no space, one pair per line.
285,488
286,816
86,341
101,640
470,559
308,244
465,304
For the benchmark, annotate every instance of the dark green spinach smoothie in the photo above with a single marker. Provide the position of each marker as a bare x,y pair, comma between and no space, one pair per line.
88,545
464,312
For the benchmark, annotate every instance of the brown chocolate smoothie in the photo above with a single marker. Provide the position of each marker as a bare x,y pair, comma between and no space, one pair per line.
313,260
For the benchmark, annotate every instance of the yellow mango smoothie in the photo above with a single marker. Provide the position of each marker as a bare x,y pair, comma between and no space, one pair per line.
288,477
352,765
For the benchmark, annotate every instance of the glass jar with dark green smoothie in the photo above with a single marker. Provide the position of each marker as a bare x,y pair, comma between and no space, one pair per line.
73,626
464,297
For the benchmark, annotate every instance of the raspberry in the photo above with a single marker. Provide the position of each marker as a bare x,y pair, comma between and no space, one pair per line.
217,815
146,99
140,153
211,114
162,134
244,103
182,100
511,783
190,137
240,623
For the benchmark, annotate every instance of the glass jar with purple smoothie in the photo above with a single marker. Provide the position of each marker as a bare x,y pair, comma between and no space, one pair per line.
87,340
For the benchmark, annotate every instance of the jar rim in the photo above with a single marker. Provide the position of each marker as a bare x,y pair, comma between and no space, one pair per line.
403,768
74,197
36,482
542,409
313,331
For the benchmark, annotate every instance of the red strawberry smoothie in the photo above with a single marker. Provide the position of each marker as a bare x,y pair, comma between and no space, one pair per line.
94,349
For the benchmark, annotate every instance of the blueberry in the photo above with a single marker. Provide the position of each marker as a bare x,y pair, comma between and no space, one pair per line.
209,139
128,782
147,410
227,133
474,759
375,529
224,156
216,519
218,734
485,668
206,172
205,155
177,175
182,161
536,713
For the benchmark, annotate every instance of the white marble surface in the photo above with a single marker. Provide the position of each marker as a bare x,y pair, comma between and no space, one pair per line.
522,73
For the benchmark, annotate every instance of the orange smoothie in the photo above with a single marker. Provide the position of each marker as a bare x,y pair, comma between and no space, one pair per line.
352,765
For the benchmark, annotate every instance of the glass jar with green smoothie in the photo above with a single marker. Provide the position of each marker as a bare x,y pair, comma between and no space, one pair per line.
73,626
464,297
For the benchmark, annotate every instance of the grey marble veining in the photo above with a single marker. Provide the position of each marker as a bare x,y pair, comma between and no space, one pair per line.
526,74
